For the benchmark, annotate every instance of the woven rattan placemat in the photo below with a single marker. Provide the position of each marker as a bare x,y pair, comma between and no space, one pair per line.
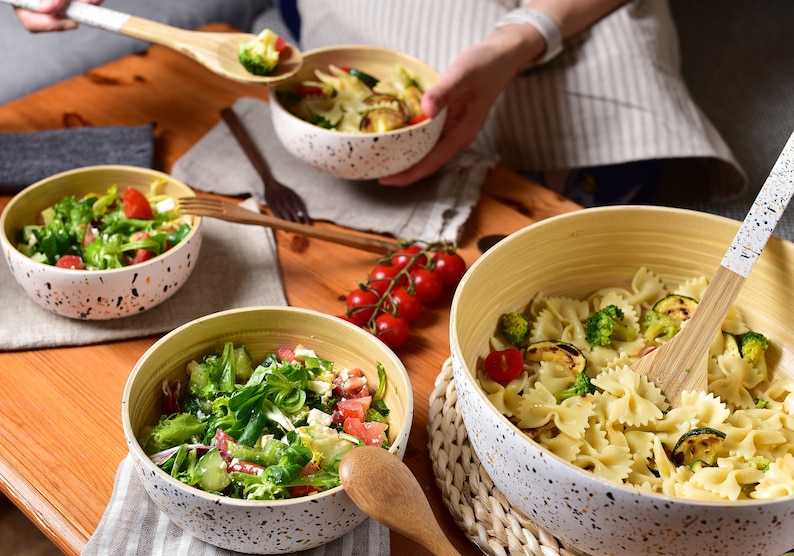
476,505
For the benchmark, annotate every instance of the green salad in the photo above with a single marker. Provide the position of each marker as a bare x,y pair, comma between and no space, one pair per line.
112,230
270,431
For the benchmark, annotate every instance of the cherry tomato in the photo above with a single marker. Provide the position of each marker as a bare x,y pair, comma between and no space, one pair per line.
286,354
408,256
393,331
74,262
382,276
370,432
403,304
310,91
304,490
450,266
361,305
418,119
503,366
245,467
280,44
428,285
136,205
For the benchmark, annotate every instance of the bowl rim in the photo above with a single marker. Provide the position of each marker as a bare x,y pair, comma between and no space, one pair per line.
276,104
478,391
138,453
194,230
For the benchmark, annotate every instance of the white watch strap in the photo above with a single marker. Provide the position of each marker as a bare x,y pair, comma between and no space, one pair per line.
541,21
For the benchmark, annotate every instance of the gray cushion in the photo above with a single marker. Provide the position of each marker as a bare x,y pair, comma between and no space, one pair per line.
29,62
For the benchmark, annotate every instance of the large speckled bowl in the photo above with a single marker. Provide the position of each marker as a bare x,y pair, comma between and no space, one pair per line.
575,255
348,155
96,294
256,526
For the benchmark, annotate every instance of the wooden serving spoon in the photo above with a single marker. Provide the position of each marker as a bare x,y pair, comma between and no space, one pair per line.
215,51
682,363
381,485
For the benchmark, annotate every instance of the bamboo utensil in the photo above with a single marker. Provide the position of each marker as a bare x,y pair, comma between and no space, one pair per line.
381,485
216,51
231,212
681,363
282,201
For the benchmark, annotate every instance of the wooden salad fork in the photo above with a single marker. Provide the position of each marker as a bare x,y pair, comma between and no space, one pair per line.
231,212
215,51
283,201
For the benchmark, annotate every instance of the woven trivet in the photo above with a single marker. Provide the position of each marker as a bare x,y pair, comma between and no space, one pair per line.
477,506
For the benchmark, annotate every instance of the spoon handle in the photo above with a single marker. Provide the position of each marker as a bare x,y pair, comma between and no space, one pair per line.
115,22
764,214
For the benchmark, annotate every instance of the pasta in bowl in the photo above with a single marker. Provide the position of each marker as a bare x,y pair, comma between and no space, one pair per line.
604,471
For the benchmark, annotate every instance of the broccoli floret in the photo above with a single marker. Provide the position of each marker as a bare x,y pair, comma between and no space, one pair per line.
259,55
515,327
658,324
759,462
753,347
761,403
581,387
605,325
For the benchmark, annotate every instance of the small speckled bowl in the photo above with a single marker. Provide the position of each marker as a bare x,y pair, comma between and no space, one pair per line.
575,255
356,156
257,526
96,294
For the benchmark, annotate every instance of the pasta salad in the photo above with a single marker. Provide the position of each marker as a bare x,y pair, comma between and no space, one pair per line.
575,393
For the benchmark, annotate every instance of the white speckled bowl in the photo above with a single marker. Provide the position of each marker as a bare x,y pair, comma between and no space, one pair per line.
356,156
252,526
574,255
96,294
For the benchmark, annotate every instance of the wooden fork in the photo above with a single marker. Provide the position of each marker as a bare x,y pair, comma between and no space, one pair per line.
231,212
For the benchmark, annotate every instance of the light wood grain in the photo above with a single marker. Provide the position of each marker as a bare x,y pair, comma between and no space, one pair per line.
682,363
69,399
232,212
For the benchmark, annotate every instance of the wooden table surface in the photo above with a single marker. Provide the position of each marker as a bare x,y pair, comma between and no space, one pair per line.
60,431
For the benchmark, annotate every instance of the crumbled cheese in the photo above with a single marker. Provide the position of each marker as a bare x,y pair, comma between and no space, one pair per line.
319,418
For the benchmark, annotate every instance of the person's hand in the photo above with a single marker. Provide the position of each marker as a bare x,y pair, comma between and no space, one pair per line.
468,90
47,18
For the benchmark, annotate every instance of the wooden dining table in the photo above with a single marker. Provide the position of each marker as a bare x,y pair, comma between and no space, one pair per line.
61,438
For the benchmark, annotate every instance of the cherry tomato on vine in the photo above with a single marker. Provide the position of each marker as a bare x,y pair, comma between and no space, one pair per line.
428,285
403,304
361,305
450,266
503,366
393,331
405,256
382,277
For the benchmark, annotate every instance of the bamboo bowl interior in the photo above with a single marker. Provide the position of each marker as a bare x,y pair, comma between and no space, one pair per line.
575,255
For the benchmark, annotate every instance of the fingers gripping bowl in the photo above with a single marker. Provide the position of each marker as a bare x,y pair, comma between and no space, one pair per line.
354,155
97,294
258,526
574,256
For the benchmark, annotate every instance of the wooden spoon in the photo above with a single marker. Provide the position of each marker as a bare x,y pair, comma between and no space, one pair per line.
682,363
381,485
215,51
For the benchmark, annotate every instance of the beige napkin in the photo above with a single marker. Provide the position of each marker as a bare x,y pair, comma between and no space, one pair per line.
434,209
237,267
132,525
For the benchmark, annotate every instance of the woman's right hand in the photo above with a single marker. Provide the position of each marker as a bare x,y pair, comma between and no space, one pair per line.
46,18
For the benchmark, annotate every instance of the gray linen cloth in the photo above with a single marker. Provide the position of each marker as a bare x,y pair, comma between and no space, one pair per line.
249,276
430,210
133,526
